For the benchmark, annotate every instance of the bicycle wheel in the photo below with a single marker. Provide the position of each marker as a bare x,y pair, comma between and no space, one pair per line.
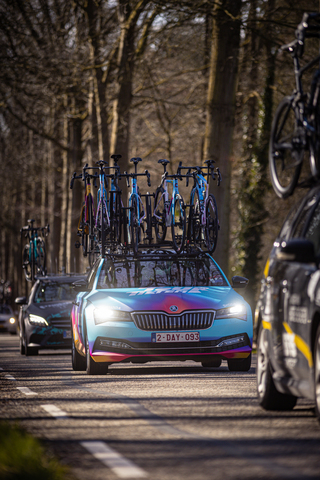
83,231
314,141
159,216
26,264
286,149
178,224
134,225
41,256
148,219
212,224
196,217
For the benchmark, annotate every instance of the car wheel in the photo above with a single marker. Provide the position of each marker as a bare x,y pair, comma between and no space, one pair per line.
268,396
317,372
92,367
21,339
30,351
79,363
239,364
214,363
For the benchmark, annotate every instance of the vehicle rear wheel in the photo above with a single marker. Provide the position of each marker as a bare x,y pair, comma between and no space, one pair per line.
239,364
92,367
214,363
317,372
268,396
79,363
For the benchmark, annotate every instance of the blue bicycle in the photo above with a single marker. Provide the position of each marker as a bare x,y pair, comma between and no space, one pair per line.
34,252
169,210
136,208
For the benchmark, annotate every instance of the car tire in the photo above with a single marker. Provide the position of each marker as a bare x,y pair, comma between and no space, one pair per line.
79,363
29,351
317,372
268,396
239,364
214,363
92,367
22,344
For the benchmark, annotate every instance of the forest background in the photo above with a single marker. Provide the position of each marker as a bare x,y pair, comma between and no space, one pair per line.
182,80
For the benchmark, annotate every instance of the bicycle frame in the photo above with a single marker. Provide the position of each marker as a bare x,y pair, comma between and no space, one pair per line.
134,194
168,203
202,188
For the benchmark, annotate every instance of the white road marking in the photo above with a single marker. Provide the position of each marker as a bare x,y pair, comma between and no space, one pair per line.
26,391
121,466
54,411
9,377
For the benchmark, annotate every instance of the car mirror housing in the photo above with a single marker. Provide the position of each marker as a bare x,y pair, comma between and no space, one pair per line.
297,250
21,301
80,285
239,282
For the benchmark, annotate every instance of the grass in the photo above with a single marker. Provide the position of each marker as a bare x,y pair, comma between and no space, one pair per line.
22,457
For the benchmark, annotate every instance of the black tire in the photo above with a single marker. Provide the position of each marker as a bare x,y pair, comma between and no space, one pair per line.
197,232
239,364
315,135
178,224
268,396
214,363
317,372
21,341
79,363
134,225
41,256
212,224
286,149
149,220
30,351
159,210
92,367
26,262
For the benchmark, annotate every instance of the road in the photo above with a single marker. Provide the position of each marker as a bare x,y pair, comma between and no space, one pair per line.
174,421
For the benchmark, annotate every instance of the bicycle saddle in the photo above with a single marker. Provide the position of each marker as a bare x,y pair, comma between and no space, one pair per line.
116,157
163,161
209,162
135,160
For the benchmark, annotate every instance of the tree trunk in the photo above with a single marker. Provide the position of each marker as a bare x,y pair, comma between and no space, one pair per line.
220,110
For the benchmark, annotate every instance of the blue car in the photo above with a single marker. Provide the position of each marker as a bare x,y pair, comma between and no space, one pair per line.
159,306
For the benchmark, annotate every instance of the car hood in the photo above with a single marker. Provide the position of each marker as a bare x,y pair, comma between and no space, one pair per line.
51,310
166,299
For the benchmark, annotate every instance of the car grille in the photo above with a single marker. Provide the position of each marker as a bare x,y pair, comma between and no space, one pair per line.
61,322
185,321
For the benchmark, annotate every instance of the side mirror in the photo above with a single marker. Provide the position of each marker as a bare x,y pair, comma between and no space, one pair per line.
21,301
239,282
80,286
296,250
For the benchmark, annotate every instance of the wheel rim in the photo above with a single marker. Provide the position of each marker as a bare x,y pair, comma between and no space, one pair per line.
317,374
262,364
178,225
160,225
211,226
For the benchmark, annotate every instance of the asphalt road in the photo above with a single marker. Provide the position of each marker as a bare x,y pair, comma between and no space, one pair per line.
174,421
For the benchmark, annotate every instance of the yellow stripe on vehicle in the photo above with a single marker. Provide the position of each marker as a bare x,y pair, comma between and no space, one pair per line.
266,325
266,268
300,344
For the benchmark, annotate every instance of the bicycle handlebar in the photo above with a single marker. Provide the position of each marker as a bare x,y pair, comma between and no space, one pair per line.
304,30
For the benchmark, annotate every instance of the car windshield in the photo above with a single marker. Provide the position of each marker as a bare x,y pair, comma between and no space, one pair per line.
5,310
160,272
53,291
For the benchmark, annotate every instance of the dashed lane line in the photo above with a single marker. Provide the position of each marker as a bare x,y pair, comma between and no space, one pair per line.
26,391
54,411
9,377
120,465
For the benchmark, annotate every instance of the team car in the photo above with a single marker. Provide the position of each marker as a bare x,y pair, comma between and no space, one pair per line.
8,321
44,318
287,316
160,306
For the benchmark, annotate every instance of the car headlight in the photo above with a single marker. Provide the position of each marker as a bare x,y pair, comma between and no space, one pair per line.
236,311
105,314
12,321
36,320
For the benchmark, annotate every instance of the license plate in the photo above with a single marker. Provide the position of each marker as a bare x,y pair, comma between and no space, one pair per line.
67,334
175,337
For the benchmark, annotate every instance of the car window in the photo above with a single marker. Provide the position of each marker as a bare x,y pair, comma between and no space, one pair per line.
54,291
303,217
313,230
5,310
160,272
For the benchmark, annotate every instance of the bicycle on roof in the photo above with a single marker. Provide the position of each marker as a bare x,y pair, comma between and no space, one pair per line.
34,252
203,223
87,215
296,124
135,205
169,210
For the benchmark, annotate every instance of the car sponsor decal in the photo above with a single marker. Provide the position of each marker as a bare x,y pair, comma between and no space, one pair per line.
299,343
311,291
165,290
266,325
